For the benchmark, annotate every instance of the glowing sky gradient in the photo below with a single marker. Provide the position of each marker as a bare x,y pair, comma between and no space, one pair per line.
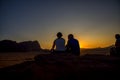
93,22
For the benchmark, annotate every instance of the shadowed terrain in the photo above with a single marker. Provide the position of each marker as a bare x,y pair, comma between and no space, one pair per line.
64,67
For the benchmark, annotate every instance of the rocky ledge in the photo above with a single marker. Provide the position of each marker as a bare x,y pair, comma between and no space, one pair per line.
64,67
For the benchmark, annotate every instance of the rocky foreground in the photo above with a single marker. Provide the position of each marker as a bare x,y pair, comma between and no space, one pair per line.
64,67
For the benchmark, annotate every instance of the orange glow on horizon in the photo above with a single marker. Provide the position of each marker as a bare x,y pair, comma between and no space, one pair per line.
84,42
95,44
82,45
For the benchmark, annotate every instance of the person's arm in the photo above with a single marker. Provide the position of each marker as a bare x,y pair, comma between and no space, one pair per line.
53,46
67,46
115,43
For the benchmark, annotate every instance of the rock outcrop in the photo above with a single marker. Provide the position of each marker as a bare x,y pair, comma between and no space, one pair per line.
13,46
29,46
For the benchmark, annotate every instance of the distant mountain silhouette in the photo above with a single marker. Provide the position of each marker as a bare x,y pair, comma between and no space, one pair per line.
98,50
13,46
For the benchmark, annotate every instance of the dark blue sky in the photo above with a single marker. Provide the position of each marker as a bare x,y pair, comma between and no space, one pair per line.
93,22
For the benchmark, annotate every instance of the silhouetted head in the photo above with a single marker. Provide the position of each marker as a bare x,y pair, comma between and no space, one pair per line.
70,36
117,36
59,34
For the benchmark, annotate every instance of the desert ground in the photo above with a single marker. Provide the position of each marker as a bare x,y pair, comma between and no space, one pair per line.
12,58
45,66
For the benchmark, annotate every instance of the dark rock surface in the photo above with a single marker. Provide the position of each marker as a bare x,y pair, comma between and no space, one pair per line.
65,67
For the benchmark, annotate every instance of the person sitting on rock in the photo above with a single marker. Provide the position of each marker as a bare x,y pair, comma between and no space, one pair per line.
117,44
115,51
73,45
58,44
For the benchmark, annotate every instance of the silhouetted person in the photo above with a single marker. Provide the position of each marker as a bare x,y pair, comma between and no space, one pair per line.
58,44
117,44
73,45
115,51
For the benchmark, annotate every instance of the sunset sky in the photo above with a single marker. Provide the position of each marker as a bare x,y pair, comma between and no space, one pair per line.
93,22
